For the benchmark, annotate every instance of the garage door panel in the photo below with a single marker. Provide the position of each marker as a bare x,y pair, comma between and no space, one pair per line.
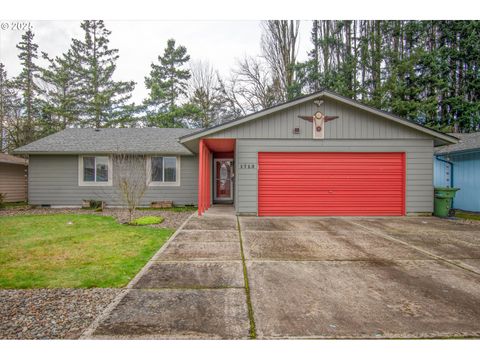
331,183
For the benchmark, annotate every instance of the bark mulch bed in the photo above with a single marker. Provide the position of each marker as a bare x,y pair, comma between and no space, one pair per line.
51,313
173,219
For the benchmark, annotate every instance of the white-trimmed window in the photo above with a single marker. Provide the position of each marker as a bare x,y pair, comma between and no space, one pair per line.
94,171
164,170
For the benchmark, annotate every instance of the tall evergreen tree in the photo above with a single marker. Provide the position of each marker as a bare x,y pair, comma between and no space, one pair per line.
101,100
426,71
60,109
167,85
27,83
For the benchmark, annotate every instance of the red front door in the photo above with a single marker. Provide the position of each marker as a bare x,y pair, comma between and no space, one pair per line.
223,179
331,184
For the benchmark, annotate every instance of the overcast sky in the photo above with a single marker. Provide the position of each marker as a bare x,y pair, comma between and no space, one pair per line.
140,42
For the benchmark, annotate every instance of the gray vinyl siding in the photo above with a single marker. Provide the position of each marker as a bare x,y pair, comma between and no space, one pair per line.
353,123
419,165
53,180
355,130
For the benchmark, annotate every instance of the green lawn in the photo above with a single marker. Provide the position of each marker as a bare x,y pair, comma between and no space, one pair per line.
52,251
467,215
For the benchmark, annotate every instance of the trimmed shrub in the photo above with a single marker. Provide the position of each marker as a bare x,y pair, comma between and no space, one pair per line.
147,220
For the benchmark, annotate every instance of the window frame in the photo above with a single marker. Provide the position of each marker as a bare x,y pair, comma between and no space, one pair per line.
82,182
163,183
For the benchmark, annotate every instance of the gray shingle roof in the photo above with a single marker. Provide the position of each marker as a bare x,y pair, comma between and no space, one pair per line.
127,140
467,142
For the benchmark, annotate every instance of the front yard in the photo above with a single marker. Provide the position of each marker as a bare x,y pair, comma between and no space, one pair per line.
60,268
73,251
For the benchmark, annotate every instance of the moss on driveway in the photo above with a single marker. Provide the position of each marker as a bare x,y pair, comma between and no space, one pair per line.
78,251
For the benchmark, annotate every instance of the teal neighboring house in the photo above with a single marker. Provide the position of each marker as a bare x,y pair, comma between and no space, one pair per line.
458,165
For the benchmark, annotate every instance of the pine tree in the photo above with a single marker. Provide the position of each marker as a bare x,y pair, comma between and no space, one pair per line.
60,110
425,71
167,85
27,84
101,100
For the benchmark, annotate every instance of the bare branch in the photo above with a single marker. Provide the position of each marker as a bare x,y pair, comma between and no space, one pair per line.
131,179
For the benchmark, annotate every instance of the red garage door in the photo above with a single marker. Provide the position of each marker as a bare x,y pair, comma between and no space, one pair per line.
331,184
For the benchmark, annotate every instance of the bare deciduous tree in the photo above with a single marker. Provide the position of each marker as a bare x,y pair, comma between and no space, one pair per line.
280,48
131,179
14,130
12,125
205,94
251,87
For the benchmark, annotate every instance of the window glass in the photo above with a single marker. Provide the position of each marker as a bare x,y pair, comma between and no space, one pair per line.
102,168
170,164
157,168
89,169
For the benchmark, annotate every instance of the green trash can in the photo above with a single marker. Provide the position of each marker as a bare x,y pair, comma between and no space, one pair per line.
443,201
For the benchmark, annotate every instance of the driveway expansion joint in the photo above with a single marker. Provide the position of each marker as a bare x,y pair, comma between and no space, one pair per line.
437,257
253,332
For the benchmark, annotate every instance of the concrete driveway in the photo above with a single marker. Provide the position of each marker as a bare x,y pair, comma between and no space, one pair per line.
306,278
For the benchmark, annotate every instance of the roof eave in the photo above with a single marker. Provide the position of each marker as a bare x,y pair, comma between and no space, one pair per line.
441,153
177,153
25,163
248,118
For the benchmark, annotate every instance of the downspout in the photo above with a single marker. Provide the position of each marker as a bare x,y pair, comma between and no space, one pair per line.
451,168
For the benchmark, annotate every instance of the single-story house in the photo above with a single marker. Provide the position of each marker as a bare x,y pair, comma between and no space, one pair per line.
321,154
13,178
458,166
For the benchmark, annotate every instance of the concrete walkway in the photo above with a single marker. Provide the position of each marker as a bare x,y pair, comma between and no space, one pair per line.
193,288
305,278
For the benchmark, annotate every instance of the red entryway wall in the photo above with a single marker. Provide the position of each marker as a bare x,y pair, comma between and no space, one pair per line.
207,150
331,184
